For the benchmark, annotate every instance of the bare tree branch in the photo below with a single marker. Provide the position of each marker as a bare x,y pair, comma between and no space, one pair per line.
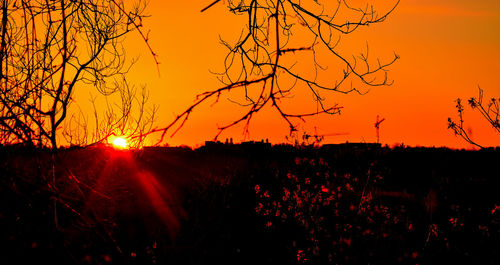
279,40
490,112
48,50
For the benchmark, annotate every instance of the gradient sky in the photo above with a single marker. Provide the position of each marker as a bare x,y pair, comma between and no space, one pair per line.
447,49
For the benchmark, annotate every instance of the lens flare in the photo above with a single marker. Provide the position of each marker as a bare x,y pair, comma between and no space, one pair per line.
120,143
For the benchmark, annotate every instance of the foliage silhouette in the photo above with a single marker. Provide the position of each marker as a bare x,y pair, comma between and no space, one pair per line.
341,204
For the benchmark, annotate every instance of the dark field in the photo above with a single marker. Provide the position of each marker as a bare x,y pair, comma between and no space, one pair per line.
250,204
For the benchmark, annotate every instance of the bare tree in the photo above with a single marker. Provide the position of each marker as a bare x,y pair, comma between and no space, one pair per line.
130,116
51,48
489,110
282,37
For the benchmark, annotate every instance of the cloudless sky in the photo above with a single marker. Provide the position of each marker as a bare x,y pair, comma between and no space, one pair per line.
447,49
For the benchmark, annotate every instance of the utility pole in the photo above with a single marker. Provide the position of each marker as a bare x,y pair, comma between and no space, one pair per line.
377,127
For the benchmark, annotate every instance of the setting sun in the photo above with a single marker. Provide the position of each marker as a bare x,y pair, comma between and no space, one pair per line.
120,143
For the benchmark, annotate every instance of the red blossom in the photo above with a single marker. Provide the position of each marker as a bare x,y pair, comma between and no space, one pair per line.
497,208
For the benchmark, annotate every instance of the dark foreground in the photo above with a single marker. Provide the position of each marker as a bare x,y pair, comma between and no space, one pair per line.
250,204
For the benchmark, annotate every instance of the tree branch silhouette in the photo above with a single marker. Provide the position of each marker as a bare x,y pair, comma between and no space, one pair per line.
48,50
280,34
490,111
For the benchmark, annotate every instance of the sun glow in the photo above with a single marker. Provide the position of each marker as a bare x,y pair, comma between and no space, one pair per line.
120,143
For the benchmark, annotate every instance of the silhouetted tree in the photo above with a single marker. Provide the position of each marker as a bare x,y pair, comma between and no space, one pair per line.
131,117
51,48
490,112
281,36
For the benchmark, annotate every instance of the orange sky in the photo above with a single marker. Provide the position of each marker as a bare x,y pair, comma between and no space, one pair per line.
447,49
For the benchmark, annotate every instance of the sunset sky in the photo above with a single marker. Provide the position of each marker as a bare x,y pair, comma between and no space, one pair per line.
448,48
